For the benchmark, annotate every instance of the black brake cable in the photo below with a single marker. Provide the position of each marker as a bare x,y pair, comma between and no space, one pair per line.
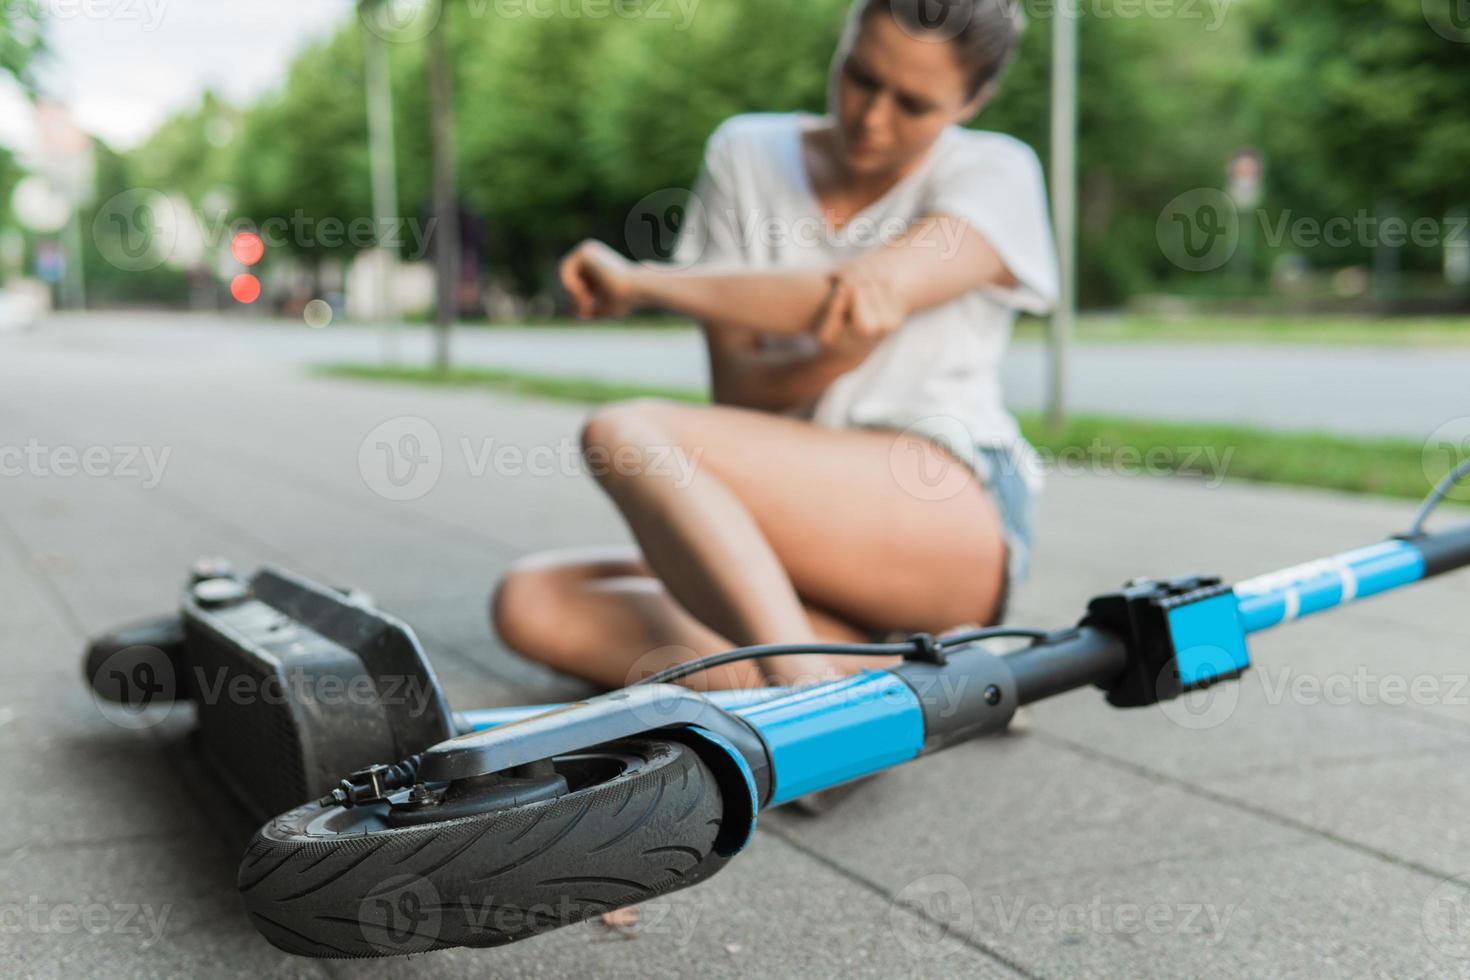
1437,497
920,646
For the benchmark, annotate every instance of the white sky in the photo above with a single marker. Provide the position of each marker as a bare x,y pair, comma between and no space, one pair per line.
123,66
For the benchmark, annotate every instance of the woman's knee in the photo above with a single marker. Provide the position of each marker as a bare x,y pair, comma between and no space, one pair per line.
523,604
623,439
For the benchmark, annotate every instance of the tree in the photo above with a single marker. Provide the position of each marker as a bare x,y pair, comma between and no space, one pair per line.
303,152
1361,105
22,40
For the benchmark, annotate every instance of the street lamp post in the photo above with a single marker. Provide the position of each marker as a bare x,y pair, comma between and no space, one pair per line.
384,167
1064,203
446,195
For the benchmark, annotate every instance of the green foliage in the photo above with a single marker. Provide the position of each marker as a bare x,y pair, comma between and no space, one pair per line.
193,152
1361,108
565,122
302,156
661,91
22,39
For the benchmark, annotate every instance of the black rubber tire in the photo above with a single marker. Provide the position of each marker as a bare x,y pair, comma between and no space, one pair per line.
493,878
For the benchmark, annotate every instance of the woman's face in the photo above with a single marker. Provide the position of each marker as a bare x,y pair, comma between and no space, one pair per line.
892,94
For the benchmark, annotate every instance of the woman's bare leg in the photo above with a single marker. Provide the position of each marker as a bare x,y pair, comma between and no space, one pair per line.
600,614
774,509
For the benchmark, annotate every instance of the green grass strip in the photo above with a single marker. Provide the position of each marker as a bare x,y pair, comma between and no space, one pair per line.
1088,443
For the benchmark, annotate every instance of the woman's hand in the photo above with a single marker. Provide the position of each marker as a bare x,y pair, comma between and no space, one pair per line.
600,282
864,307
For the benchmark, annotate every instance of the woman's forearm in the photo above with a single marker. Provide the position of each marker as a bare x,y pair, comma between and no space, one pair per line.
781,301
771,381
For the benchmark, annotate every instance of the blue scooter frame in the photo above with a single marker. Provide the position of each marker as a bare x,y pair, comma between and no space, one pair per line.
1153,641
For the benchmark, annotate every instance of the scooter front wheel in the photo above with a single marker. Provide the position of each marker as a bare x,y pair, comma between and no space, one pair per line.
489,863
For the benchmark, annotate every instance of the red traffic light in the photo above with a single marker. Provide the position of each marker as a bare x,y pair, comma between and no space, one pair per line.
245,288
248,248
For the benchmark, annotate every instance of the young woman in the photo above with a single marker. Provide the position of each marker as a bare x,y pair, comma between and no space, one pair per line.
857,276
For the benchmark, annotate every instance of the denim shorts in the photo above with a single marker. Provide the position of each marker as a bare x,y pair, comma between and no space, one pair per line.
1000,469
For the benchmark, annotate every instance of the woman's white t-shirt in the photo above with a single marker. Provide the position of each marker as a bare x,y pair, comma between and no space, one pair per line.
939,375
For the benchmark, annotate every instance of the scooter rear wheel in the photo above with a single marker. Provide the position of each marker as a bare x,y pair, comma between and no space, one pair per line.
633,819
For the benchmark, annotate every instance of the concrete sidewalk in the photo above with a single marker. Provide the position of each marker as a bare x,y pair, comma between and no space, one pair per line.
1302,823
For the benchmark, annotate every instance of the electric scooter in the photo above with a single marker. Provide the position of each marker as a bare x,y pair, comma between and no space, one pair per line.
487,827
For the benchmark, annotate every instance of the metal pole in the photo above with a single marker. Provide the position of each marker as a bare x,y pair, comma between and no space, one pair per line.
74,281
1064,203
446,196
384,170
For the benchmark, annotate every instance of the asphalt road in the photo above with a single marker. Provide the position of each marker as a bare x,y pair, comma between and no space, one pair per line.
1308,821
1410,393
